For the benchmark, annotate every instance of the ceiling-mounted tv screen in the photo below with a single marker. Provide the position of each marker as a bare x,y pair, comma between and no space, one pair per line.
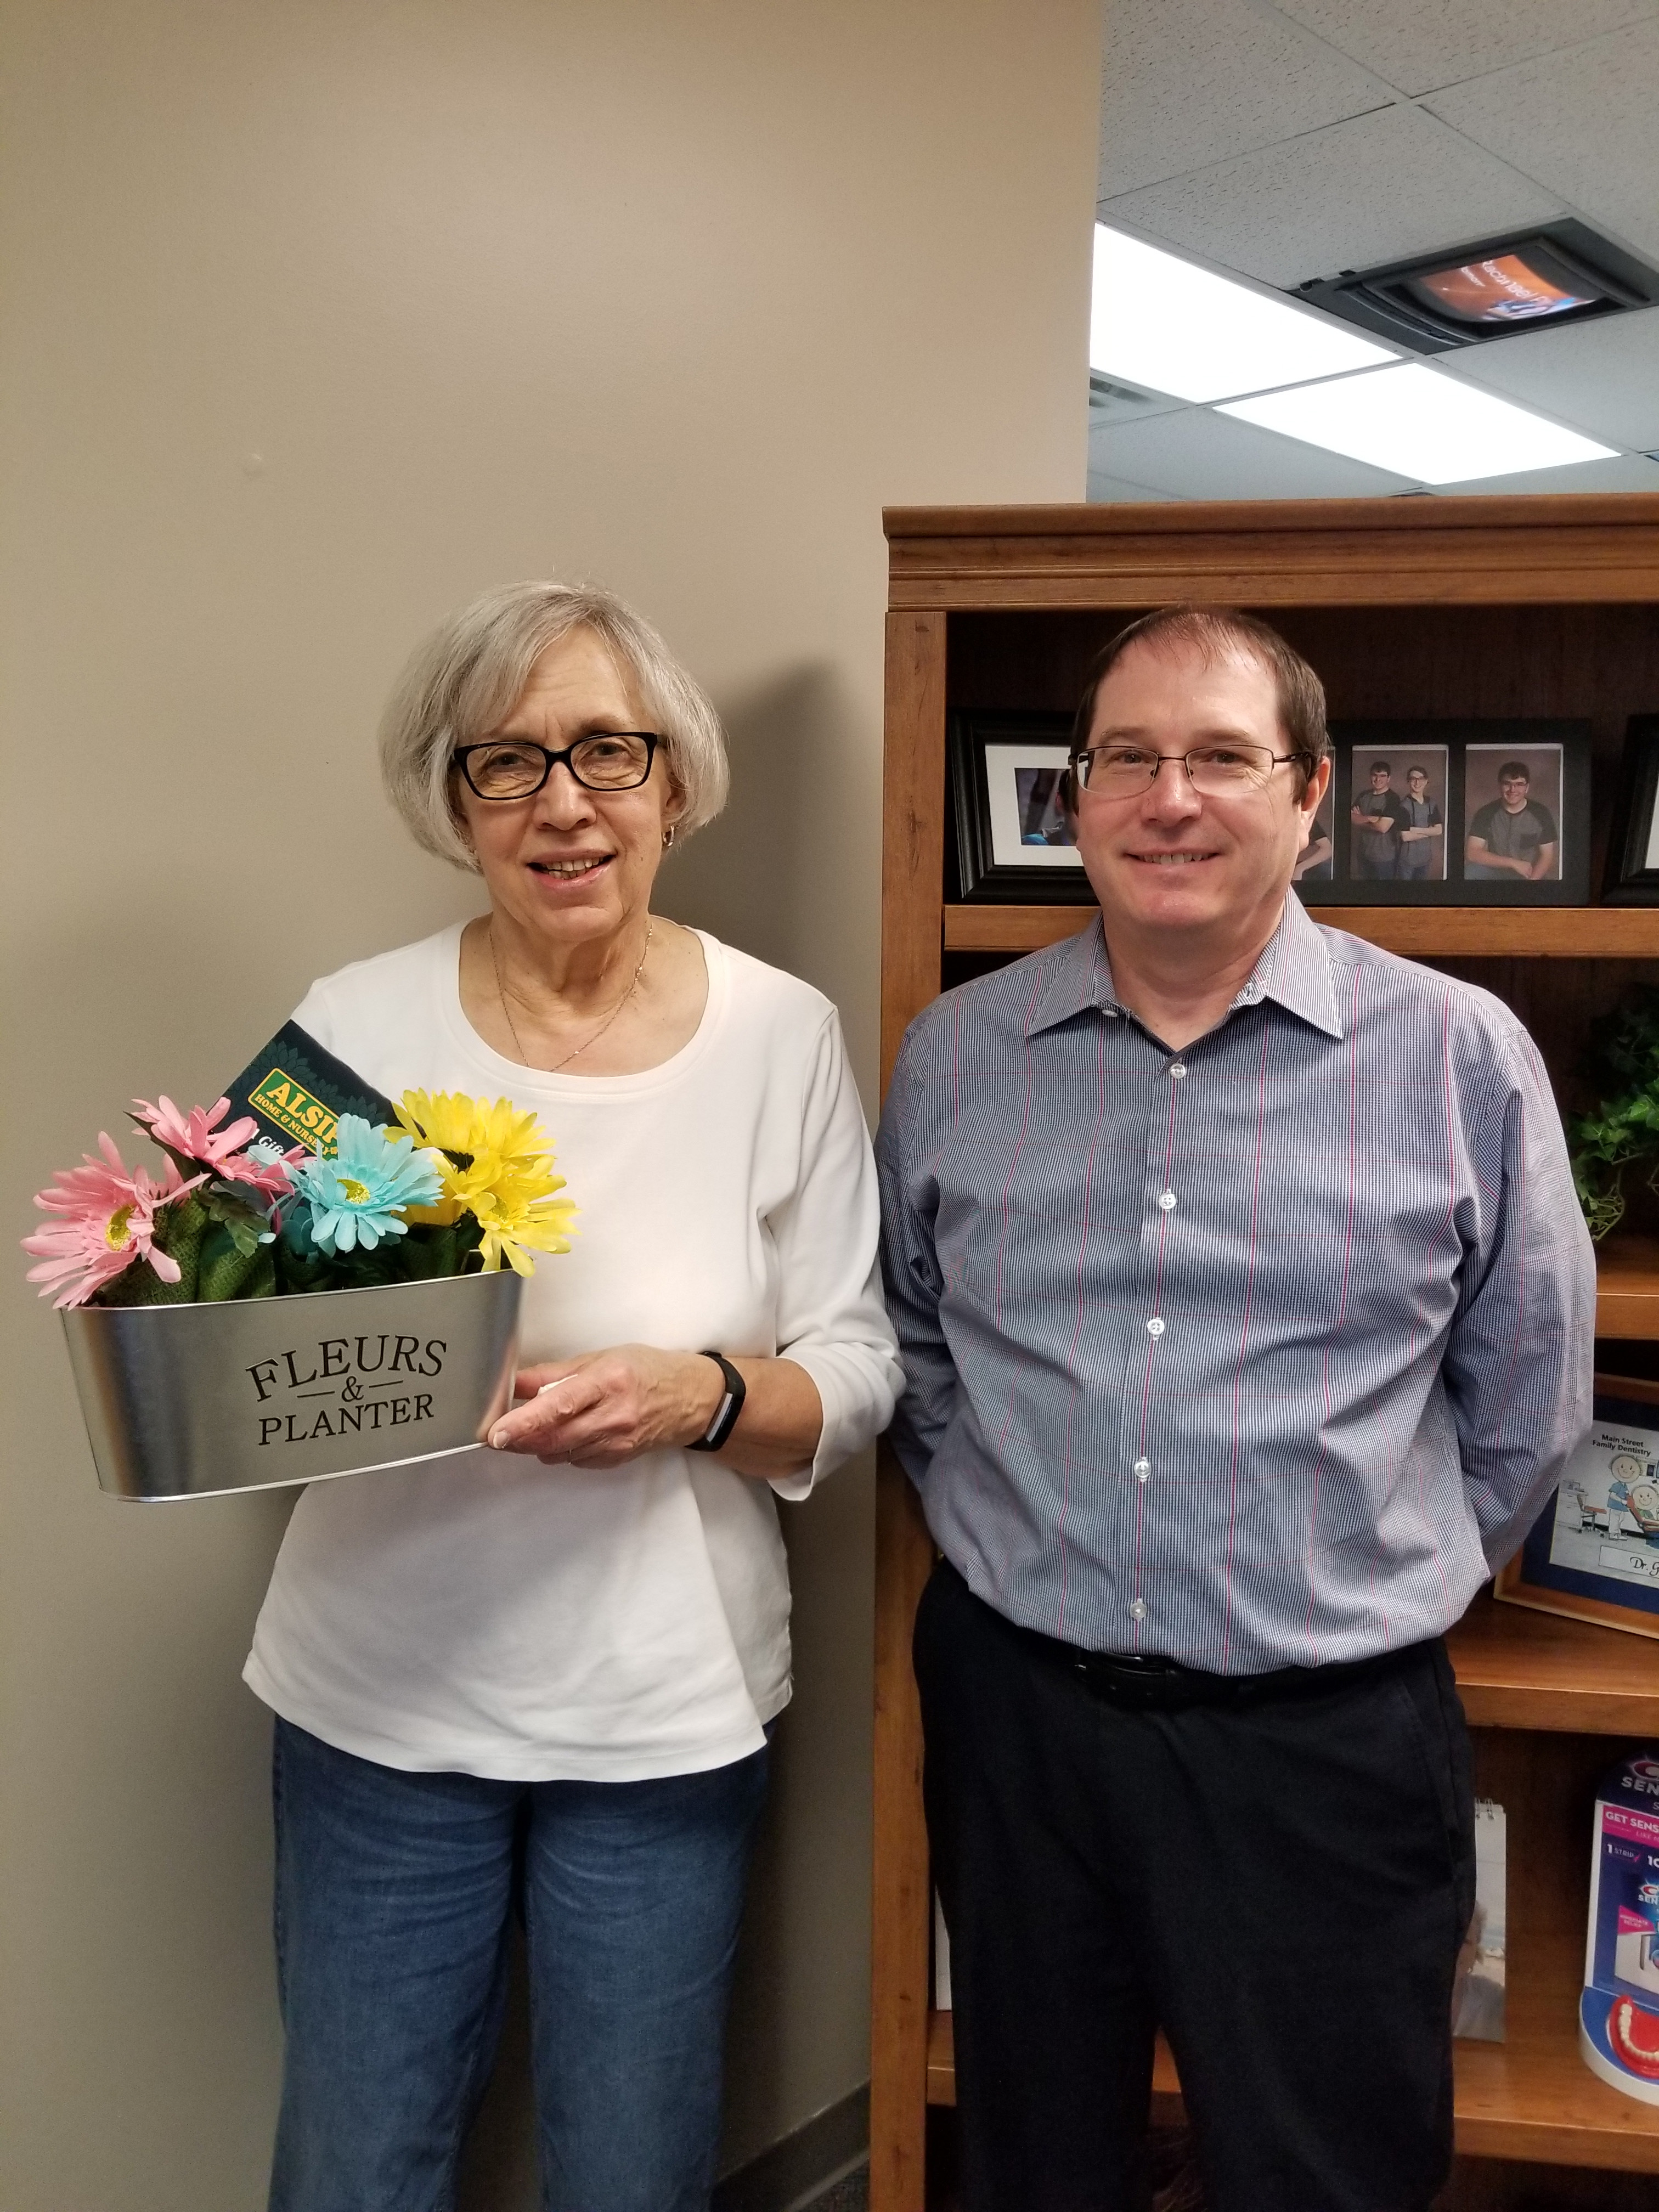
1507,287
1563,272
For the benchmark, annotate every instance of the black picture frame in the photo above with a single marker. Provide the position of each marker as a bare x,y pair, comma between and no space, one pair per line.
1632,869
1575,1561
1472,750
985,752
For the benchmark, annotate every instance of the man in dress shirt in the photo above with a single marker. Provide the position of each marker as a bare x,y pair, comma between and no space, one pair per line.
1247,1314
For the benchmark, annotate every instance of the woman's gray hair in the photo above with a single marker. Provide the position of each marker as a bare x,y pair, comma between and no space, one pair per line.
472,671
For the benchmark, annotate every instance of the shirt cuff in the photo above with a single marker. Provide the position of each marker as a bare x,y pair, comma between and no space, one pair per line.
858,1390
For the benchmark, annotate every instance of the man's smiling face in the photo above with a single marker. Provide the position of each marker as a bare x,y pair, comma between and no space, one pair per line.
1169,858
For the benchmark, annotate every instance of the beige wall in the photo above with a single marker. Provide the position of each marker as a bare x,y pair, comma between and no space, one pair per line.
321,318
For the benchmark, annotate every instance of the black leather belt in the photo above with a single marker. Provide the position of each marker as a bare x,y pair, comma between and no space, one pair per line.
1163,1686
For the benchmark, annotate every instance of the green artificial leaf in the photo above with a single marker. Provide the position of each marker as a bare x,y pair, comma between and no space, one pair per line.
299,1274
358,1270
247,1224
433,1250
429,1251
226,1270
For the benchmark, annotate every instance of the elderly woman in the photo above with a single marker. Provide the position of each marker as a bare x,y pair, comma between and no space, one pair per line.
546,1671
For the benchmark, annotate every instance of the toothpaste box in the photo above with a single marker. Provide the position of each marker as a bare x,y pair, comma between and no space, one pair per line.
1619,2010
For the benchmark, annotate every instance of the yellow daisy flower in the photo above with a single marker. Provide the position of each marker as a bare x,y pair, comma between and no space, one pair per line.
516,1223
497,1164
452,1123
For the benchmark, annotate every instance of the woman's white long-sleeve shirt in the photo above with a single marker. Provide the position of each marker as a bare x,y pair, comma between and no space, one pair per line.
491,1615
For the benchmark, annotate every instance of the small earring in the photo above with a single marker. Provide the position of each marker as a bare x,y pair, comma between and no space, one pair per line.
668,835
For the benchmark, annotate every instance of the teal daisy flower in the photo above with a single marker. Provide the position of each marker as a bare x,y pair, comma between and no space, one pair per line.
357,1198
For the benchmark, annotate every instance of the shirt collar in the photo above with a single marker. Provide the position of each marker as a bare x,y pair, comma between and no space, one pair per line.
1294,969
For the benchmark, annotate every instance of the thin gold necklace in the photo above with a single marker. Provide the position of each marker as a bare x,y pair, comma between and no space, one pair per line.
523,1057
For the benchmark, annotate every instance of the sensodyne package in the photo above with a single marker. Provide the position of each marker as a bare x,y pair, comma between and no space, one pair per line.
1619,2011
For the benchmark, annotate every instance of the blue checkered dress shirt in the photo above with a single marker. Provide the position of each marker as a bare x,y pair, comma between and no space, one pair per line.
1258,1354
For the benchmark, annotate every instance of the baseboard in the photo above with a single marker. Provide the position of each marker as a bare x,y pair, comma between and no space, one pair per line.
793,2171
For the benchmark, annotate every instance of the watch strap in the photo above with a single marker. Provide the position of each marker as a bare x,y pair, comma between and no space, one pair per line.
725,1414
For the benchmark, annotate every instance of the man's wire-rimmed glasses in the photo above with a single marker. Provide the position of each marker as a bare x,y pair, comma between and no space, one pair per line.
517,767
1214,771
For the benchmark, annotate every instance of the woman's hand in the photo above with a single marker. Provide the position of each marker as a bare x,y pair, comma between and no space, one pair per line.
607,1407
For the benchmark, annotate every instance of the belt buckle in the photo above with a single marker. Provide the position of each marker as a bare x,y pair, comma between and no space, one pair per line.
1140,1688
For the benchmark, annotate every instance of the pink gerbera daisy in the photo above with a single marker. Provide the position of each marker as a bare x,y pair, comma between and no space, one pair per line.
106,1220
195,1135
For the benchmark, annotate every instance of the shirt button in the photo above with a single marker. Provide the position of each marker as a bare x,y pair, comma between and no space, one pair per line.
1177,1068
1143,1469
1138,1609
1155,1326
1167,1200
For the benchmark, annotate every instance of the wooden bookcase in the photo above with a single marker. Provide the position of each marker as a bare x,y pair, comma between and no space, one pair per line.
1410,606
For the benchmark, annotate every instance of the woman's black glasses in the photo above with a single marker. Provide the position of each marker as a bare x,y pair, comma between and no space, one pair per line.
514,767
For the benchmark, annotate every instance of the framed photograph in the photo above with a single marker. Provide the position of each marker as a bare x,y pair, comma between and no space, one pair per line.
1593,1554
1013,837
1512,814
1457,814
1632,876
1397,814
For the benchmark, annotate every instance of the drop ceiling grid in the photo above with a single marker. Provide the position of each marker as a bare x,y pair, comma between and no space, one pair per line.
1324,154
1190,82
1571,129
1203,455
1605,375
1421,45
1584,123
1375,189
1624,473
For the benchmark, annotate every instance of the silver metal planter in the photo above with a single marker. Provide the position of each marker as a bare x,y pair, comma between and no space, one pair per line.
253,1394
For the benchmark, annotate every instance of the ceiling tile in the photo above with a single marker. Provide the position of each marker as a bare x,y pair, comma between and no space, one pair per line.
1111,491
1375,189
1201,455
1417,44
1624,472
1186,82
1584,123
1601,377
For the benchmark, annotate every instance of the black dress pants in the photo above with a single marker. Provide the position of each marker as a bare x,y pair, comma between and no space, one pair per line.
1282,1886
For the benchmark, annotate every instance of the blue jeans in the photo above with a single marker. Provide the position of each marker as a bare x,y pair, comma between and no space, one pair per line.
394,1900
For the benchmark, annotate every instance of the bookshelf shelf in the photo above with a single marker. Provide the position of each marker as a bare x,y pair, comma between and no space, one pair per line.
1517,1669
1627,1288
1530,2099
1562,933
1410,610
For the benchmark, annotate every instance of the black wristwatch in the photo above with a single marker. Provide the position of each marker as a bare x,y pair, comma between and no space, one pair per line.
725,1414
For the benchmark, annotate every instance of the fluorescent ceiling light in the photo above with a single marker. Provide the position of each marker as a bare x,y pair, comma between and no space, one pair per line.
1161,321
1421,425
